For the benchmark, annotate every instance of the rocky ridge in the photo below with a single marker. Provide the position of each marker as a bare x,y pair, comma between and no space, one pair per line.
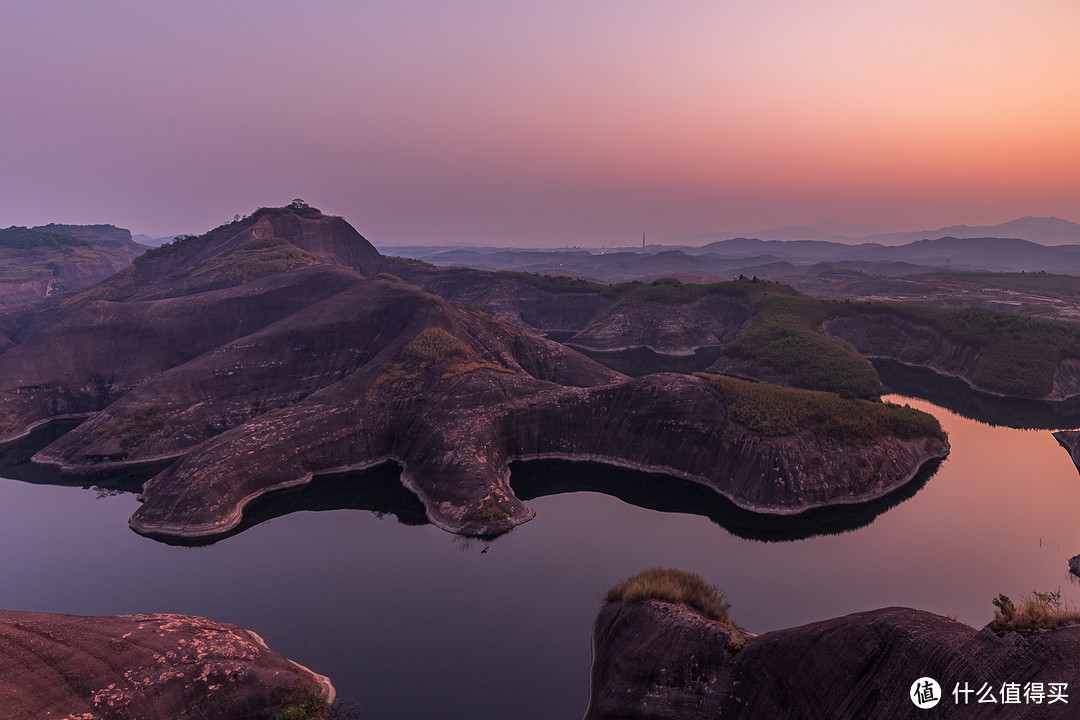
652,659
133,667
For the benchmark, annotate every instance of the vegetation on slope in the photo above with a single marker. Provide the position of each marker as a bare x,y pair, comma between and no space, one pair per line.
1018,355
257,258
20,238
433,345
775,411
553,283
666,290
783,335
304,703
33,256
669,290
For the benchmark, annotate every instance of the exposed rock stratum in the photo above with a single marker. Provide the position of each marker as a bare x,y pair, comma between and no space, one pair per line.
135,667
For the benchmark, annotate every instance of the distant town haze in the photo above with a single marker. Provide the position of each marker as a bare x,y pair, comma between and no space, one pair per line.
542,124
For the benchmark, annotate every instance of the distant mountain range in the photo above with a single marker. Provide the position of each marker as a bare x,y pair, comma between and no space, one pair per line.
1044,231
1023,245
152,241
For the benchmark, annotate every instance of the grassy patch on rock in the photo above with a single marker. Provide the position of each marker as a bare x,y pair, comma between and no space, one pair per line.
776,411
783,335
433,345
673,586
137,427
1038,611
463,368
257,258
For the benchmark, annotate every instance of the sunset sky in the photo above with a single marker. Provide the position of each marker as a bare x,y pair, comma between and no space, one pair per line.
540,123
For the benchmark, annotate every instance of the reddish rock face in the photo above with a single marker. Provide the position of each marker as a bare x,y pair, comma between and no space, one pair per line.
137,667
263,353
660,661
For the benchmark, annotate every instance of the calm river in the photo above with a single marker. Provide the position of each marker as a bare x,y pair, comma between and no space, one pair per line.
411,622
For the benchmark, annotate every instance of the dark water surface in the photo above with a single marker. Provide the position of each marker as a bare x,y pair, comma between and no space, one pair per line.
411,622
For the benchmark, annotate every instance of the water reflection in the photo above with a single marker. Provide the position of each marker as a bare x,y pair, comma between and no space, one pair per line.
412,622
379,490
673,495
956,395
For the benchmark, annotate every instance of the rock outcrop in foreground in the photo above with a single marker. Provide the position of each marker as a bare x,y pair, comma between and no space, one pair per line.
278,348
656,660
138,667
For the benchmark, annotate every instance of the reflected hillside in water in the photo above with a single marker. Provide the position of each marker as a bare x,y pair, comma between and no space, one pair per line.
956,395
532,480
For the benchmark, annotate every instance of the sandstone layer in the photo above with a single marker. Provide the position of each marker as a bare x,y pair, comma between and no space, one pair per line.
147,667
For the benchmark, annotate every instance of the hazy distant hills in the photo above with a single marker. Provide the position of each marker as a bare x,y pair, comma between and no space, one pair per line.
1044,231
149,241
51,259
1023,245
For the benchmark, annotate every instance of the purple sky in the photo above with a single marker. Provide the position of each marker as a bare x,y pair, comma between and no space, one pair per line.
540,123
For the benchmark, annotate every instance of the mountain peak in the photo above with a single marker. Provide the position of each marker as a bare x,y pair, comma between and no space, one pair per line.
268,241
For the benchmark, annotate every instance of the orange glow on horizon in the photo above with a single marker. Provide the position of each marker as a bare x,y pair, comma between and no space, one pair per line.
419,119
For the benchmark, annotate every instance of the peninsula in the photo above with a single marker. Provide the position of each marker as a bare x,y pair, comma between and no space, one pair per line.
283,346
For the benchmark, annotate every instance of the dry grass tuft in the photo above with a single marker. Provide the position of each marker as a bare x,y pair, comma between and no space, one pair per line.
1038,611
673,586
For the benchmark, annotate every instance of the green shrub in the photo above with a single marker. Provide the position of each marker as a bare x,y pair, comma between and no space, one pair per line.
307,704
776,411
433,345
